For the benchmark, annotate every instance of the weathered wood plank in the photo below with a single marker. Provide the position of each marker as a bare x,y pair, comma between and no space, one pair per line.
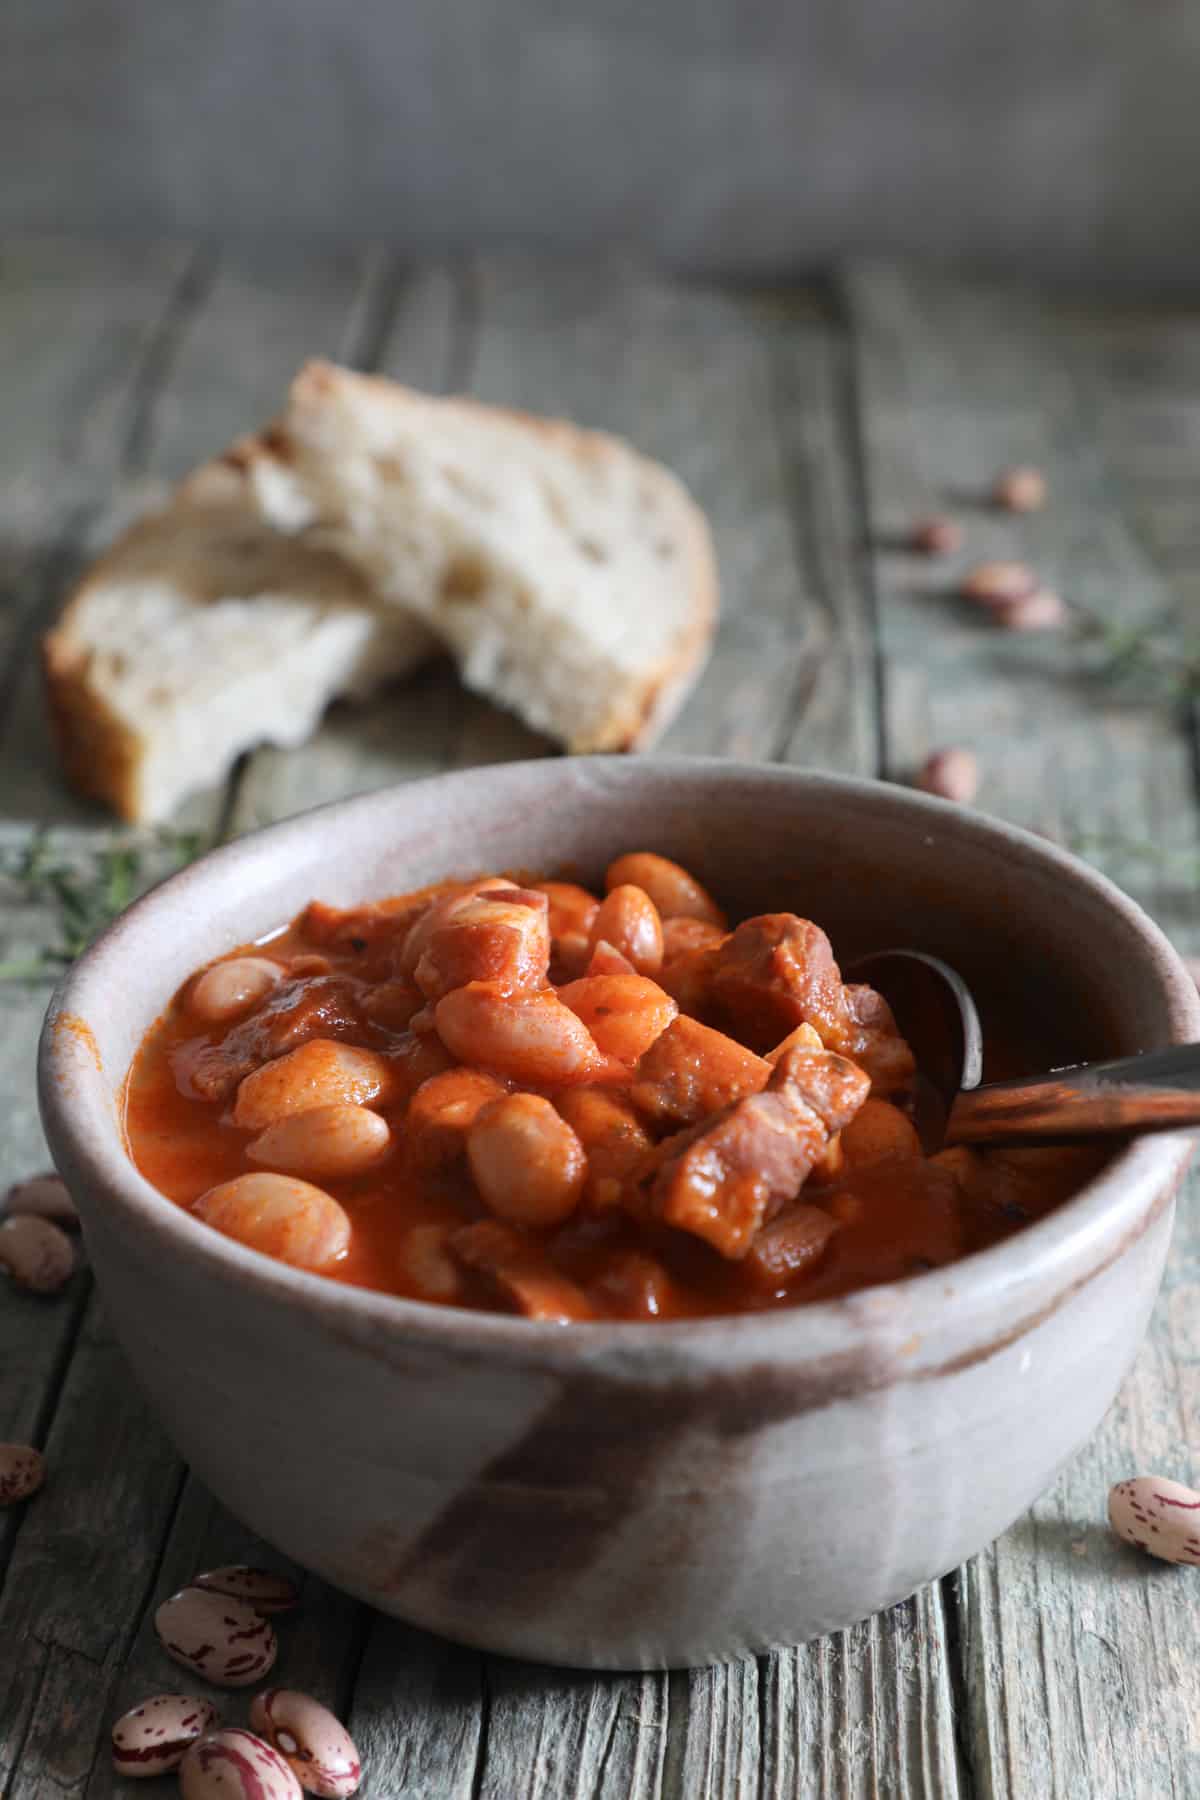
56,1705
417,1716
867,1712
1072,1682
82,1565
552,1735
317,1644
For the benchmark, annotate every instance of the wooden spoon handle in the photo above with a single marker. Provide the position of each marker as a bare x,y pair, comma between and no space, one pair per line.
1159,1091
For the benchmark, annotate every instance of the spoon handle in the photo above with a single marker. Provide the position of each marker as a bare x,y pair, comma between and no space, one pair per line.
1159,1091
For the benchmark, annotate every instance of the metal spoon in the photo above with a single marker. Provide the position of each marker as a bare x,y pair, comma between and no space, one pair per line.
1156,1091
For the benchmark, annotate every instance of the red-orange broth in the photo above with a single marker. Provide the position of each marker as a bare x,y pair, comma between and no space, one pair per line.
666,1168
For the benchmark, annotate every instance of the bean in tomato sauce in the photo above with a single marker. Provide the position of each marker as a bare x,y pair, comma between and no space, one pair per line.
522,1096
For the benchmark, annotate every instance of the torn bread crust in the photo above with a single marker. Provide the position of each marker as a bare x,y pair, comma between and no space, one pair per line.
573,579
201,632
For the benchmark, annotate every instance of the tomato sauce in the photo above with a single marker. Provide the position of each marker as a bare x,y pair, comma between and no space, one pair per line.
713,1179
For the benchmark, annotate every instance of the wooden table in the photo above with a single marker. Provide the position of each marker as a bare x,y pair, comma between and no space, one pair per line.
813,424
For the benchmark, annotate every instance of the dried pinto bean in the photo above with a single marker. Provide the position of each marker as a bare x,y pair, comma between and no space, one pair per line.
236,1765
1159,1516
952,774
216,1636
22,1472
316,1745
36,1254
266,1590
41,1197
153,1738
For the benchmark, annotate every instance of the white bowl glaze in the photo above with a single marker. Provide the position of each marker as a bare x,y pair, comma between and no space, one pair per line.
629,1495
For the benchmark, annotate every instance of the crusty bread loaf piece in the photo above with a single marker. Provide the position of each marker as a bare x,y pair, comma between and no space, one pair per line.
201,632
573,579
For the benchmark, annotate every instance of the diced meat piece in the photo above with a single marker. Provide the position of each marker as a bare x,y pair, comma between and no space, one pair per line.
393,1004
501,935
722,1179
624,1013
327,1006
680,935
517,1271
613,1137
789,1246
774,973
441,1113
365,927
633,1286
438,910
833,1086
803,1038
875,1043
415,1059
692,1071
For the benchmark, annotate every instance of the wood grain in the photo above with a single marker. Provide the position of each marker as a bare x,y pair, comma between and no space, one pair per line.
744,138
1073,1678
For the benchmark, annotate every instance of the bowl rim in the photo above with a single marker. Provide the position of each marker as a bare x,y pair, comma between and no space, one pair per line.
1060,1251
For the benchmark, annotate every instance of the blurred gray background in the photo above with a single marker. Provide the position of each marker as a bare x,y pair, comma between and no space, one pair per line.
1061,136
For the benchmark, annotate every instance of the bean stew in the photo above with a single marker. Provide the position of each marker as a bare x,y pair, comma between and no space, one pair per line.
514,1094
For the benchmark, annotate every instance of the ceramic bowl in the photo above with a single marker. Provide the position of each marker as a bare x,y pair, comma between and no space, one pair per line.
623,1495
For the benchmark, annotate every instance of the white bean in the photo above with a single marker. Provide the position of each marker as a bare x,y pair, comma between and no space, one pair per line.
228,989
528,1164
36,1254
319,1073
279,1215
329,1140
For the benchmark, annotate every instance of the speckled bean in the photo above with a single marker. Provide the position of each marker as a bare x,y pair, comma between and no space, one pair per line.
36,1254
317,1747
280,1215
153,1738
332,1141
228,989
1157,1515
22,1472
236,1765
41,1197
221,1638
953,774
266,1590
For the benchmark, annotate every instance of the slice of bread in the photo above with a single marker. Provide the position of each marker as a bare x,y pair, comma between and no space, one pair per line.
201,632
573,579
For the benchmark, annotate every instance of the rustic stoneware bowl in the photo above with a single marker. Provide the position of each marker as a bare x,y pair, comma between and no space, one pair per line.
630,1495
